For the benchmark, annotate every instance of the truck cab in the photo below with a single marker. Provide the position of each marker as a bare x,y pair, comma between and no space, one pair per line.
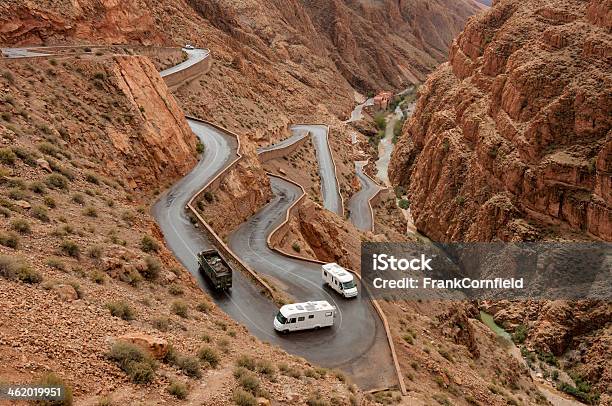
339,279
304,316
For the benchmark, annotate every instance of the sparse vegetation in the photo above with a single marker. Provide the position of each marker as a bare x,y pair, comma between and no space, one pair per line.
175,290
7,156
122,310
148,244
520,334
54,381
16,268
178,390
57,181
180,308
244,398
296,247
71,249
190,366
40,212
134,361
10,240
152,268
90,211
209,356
21,226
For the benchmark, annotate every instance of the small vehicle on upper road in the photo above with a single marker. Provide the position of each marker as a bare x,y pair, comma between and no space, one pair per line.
189,46
304,316
216,268
339,279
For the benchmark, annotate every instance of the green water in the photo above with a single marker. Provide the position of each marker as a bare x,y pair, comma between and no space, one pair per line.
488,320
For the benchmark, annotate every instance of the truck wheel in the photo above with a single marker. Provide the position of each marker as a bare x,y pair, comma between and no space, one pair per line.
285,331
317,327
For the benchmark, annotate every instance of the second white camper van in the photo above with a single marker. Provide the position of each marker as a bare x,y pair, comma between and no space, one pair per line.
340,280
304,316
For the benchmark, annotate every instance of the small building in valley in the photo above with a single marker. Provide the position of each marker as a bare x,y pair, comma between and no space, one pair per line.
382,100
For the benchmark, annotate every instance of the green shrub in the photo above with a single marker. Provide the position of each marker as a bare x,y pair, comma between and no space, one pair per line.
122,310
189,365
38,187
520,334
17,268
200,148
26,156
246,362
152,268
131,276
17,194
56,263
162,323
7,157
178,390
40,213
90,211
53,381
71,249
49,149
92,178
404,204
21,226
249,382
315,399
95,252
296,247
209,356
50,202
78,198
10,240
204,307
180,309
148,244
175,290
266,367
134,361
244,398
57,181
98,277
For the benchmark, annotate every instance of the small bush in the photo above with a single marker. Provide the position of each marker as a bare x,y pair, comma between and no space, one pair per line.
49,149
134,361
21,226
40,213
56,263
315,399
128,217
57,181
200,148
189,365
98,277
78,198
148,244
90,211
54,381
7,157
152,268
246,362
26,156
244,398
520,334
266,367
178,390
296,247
10,240
249,382
95,251
16,268
92,178
38,187
162,323
180,309
50,202
204,307
17,194
209,356
175,290
404,204
122,310
71,249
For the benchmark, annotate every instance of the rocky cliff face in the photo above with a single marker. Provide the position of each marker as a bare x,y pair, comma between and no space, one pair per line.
106,21
511,138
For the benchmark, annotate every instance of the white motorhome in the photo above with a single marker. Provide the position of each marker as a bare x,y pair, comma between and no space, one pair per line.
304,316
339,279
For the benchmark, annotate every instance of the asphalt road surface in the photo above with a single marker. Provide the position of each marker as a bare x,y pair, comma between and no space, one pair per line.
327,172
193,56
357,342
359,206
357,113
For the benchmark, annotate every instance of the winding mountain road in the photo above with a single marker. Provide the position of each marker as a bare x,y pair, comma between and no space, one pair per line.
332,200
360,213
193,56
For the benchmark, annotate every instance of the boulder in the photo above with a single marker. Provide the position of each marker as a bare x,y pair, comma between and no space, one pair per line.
23,204
44,164
157,347
66,292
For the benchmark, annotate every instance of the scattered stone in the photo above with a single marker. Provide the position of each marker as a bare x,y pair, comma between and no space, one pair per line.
23,204
44,164
66,292
157,347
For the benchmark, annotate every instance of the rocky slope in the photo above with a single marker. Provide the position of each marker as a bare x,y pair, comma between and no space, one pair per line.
84,142
511,138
